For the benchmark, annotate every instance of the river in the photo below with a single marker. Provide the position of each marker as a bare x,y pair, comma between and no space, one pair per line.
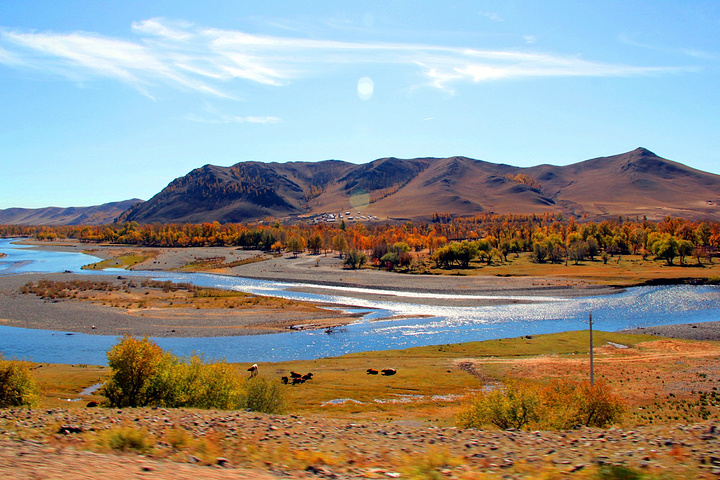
635,307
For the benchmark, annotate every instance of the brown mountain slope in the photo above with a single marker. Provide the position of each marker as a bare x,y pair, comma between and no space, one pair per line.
96,215
634,183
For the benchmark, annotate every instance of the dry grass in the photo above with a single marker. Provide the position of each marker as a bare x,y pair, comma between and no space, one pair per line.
60,383
132,295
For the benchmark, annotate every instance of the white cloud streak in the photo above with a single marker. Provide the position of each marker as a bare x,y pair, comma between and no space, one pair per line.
492,16
214,115
210,60
690,52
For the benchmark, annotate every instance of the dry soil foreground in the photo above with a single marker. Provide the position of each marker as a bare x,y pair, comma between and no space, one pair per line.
297,447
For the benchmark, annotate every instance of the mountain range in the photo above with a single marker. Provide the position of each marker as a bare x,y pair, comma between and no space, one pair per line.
95,215
636,183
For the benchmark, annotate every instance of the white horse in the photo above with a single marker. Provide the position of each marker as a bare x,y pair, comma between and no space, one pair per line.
253,370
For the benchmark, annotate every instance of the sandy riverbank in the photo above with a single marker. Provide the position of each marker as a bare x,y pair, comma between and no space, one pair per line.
690,331
102,318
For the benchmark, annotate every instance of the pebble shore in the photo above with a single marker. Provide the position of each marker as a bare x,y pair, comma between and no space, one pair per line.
343,449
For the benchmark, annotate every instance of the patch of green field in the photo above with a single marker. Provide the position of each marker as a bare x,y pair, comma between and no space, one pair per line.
531,345
122,261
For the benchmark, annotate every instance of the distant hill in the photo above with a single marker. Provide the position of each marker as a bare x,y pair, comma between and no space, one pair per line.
97,215
634,183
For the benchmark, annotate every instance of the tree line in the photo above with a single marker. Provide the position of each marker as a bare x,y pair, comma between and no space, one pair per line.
449,242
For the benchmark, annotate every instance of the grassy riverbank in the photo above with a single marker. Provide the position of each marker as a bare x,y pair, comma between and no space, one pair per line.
431,381
347,423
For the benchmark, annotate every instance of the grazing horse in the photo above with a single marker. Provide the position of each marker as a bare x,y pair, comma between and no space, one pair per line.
307,376
389,371
295,375
253,370
372,371
285,380
297,380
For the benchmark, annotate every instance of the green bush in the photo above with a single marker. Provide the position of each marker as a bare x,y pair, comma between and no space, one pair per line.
618,472
126,438
17,385
137,370
262,395
197,383
560,405
514,406
142,374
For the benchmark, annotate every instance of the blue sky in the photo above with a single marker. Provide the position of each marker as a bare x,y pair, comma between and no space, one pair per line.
109,100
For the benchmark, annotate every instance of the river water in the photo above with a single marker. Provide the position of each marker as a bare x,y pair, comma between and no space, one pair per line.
426,325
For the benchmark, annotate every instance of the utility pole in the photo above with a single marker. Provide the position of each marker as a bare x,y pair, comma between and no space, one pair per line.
592,367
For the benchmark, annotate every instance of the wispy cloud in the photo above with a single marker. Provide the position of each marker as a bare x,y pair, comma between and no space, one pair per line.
215,115
492,16
689,52
211,61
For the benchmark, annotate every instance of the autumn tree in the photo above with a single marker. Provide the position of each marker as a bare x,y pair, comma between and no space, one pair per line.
315,243
664,246
355,259
339,244
296,244
684,248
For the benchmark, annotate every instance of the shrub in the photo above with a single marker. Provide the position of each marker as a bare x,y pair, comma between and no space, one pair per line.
618,472
562,404
262,395
126,438
355,259
430,465
567,404
136,373
17,385
200,384
142,374
514,406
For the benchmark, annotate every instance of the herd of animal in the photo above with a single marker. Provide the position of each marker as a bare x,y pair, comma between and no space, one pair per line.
296,378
